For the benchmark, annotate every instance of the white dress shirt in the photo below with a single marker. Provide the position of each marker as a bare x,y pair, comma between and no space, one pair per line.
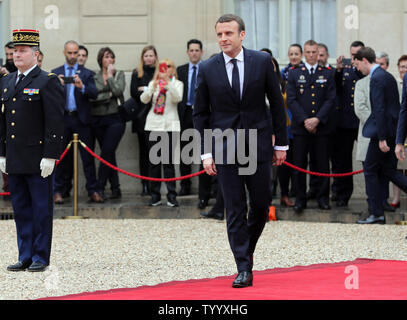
26,72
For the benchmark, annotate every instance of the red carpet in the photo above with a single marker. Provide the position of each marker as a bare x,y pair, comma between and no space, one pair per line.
377,280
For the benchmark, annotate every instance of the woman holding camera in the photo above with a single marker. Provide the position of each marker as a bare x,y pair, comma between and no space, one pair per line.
164,92
107,124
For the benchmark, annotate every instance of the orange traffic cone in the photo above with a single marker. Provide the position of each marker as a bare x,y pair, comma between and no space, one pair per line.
272,213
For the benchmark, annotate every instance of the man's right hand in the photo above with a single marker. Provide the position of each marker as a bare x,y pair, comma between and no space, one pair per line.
61,79
3,165
209,166
339,65
400,152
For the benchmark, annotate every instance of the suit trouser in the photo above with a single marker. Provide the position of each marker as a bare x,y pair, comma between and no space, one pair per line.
32,200
378,167
64,171
186,123
343,153
303,145
245,227
109,131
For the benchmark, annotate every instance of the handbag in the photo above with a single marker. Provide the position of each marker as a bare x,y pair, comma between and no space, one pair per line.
130,110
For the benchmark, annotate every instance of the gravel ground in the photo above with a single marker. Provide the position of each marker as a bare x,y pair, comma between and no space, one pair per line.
92,255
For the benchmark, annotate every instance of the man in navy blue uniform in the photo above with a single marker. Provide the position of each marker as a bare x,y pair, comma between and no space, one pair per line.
31,129
381,128
347,126
79,86
310,97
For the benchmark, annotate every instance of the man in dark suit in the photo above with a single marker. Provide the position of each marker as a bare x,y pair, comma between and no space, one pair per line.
79,86
230,95
347,126
381,128
188,73
31,129
311,95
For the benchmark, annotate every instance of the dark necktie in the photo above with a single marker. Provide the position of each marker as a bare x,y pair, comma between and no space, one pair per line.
235,79
20,78
192,87
312,71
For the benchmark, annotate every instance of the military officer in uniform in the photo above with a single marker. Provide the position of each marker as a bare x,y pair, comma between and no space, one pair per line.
347,126
310,96
31,133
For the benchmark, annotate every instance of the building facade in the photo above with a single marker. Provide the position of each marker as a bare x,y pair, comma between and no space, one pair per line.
128,25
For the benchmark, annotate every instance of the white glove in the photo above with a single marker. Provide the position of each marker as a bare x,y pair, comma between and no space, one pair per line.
3,164
47,166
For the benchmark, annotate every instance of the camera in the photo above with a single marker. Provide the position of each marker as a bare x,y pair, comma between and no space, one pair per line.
68,80
347,62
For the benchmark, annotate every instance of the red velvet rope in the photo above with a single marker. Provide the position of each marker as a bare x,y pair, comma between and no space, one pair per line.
327,175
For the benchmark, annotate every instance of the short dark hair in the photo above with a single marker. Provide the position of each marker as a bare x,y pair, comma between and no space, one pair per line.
402,58
232,17
268,51
323,45
101,54
9,45
81,47
194,41
357,43
366,53
296,45
310,43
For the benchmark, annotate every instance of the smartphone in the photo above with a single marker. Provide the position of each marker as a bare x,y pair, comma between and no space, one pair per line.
163,67
68,80
1,62
346,62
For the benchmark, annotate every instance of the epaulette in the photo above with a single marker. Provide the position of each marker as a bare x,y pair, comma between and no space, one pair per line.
5,75
51,74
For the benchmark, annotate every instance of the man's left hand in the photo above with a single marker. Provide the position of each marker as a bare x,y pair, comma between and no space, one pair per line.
279,157
383,146
78,82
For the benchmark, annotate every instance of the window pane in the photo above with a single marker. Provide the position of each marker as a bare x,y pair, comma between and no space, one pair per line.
314,19
262,25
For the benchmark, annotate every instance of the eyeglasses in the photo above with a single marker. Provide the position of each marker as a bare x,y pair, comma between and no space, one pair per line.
169,66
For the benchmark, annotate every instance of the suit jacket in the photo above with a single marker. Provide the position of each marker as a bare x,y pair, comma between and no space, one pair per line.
31,121
346,83
182,72
217,106
82,99
402,124
363,110
311,96
385,102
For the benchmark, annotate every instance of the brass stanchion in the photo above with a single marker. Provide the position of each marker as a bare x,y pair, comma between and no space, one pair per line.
75,142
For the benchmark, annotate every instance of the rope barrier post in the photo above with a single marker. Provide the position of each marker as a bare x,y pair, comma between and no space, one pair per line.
75,142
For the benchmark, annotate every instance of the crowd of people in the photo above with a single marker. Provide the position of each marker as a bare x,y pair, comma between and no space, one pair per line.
326,110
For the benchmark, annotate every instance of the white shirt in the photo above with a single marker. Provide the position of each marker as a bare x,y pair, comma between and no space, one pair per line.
26,72
308,66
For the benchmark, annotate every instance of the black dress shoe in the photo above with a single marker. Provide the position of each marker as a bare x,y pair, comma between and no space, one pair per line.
341,203
243,280
19,266
324,206
37,267
388,208
299,208
116,194
202,204
213,215
372,220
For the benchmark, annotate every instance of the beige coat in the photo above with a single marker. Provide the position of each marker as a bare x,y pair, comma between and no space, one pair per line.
362,110
169,121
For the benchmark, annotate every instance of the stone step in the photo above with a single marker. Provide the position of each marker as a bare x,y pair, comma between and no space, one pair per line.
136,207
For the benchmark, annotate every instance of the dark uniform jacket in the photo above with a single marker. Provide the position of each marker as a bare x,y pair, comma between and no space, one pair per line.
310,96
346,83
31,120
